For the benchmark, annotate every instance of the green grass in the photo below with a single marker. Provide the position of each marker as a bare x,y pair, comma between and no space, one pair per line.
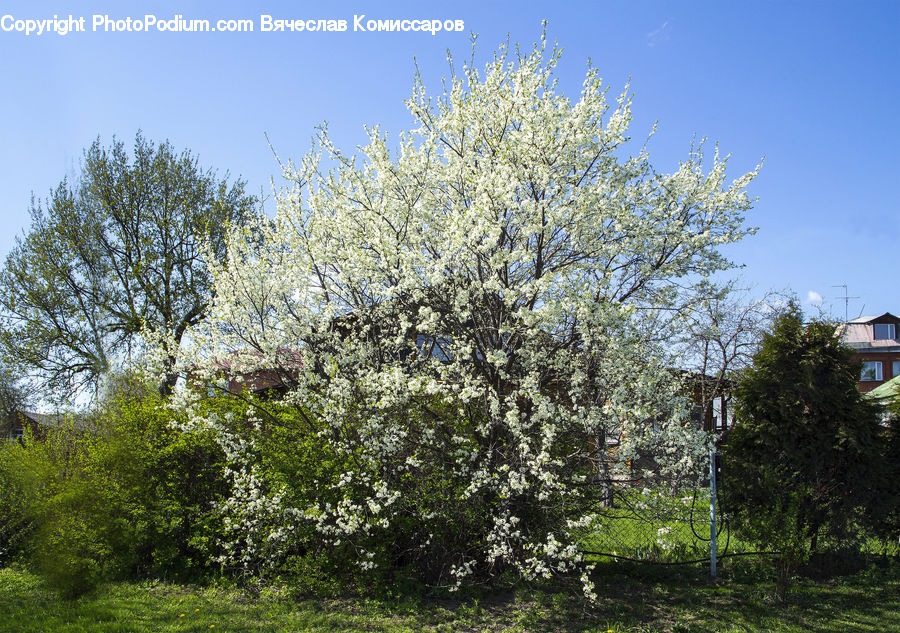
631,530
630,599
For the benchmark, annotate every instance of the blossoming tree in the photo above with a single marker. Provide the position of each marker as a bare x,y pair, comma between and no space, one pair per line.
478,314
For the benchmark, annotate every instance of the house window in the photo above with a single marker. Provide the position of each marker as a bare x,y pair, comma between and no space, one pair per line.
871,370
895,369
884,331
697,417
18,434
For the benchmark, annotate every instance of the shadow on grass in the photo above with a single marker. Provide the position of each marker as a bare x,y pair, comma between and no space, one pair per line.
743,600
636,599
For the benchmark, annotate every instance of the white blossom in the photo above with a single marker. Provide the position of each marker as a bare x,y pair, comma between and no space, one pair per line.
486,302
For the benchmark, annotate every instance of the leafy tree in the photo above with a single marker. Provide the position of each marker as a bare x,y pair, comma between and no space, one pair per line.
476,317
802,457
721,335
12,401
115,253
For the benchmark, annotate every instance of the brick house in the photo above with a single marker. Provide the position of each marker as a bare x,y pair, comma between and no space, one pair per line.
271,381
37,423
876,342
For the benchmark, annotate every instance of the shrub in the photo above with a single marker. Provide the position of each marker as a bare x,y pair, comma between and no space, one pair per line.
14,522
803,453
77,538
165,484
31,472
130,497
883,515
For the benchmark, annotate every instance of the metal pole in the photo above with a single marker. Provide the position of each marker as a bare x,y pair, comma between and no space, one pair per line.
712,512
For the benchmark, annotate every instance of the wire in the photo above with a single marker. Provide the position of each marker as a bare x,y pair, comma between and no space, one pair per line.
721,516
684,562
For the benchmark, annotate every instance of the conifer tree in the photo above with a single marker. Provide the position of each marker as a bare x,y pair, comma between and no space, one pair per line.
803,452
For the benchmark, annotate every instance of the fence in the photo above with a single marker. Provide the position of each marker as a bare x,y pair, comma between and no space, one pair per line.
661,521
658,520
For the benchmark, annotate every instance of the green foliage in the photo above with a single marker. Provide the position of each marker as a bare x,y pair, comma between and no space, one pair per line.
113,253
165,485
294,463
122,494
884,515
431,517
31,473
802,457
312,574
77,538
14,523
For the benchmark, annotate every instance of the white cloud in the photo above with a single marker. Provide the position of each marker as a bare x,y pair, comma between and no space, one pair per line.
658,35
813,297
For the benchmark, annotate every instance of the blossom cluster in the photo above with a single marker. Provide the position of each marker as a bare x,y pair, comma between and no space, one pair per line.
479,317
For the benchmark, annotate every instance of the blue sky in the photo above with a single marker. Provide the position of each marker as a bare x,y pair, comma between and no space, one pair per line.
813,87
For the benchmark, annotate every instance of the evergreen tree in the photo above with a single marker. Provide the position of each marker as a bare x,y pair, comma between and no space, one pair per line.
803,454
884,516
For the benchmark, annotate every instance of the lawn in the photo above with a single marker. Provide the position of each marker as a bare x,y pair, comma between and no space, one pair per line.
666,526
630,599
660,525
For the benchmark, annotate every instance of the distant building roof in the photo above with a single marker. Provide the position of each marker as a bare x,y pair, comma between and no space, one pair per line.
886,317
44,419
859,333
242,370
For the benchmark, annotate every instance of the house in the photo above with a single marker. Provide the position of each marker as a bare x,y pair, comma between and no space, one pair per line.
876,343
886,393
711,400
275,380
37,423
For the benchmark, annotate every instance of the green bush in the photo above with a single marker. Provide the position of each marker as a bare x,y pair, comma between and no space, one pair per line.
804,452
883,516
431,521
76,539
14,521
127,495
294,461
32,471
164,484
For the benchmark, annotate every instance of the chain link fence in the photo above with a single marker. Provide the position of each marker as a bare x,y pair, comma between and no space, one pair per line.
666,521
655,519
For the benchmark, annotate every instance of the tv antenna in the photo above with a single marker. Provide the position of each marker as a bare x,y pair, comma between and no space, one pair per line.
846,299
